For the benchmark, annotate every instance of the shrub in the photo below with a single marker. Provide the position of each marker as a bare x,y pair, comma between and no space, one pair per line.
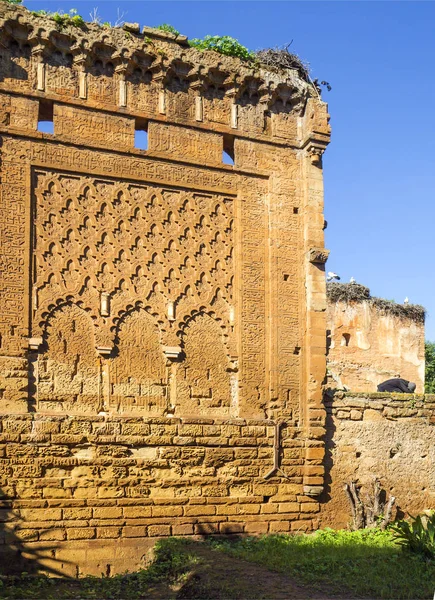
224,44
62,19
417,535
168,28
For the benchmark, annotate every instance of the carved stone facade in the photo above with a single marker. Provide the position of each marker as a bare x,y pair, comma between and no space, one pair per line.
162,314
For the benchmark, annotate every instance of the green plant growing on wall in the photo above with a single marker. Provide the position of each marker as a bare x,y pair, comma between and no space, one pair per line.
63,19
224,44
168,28
429,355
14,1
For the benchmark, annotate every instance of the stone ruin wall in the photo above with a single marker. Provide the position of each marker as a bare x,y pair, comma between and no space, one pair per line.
370,436
162,315
366,346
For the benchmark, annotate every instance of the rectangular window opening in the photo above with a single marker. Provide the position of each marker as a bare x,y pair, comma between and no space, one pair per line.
141,135
228,150
45,117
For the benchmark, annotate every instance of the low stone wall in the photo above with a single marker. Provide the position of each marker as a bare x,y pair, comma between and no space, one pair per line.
391,437
91,494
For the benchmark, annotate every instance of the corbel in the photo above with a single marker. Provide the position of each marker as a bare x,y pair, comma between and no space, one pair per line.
172,352
315,149
313,490
104,351
318,255
35,343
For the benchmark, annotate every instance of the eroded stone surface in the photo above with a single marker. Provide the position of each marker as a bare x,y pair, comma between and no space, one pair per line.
160,311
367,346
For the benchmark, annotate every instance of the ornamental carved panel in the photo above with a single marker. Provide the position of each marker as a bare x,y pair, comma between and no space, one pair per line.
140,261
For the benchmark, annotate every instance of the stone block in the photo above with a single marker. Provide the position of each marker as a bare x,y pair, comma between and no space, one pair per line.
134,531
196,511
279,526
159,530
109,532
184,529
227,528
137,512
107,513
80,533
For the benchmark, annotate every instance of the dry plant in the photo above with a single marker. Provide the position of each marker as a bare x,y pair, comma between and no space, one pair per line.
281,58
374,511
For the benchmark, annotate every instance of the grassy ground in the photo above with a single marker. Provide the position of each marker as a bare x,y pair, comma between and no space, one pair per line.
367,563
329,564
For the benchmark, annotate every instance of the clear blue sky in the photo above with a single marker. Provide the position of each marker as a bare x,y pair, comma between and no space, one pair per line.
380,166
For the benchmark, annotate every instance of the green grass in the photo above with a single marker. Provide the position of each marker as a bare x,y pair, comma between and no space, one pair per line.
366,563
356,564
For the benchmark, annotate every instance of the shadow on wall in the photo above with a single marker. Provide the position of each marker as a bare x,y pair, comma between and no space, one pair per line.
17,556
328,461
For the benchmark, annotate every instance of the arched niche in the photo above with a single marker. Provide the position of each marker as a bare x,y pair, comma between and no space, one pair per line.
68,378
138,373
203,378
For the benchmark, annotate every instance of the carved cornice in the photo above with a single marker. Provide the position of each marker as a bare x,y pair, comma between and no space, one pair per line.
167,56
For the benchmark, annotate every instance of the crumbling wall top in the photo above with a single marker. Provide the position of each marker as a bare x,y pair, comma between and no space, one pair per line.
161,54
357,293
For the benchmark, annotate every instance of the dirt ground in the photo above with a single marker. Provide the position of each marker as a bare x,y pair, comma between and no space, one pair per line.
221,577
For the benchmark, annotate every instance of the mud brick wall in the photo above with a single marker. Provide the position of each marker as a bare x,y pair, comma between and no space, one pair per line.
107,479
377,435
366,346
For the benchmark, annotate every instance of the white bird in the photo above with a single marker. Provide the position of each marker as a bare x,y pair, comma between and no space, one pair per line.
331,276
352,280
406,301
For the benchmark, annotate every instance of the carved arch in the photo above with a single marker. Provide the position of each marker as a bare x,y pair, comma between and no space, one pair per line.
69,374
138,372
204,379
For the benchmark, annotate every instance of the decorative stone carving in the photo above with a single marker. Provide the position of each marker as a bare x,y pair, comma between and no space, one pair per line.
318,255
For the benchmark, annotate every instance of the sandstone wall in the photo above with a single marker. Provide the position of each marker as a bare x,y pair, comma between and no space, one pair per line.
162,314
367,346
376,435
112,482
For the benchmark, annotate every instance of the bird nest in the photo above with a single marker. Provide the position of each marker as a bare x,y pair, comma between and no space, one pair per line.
354,292
281,58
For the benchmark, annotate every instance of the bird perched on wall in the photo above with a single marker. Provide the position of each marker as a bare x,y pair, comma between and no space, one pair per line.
406,301
332,276
352,280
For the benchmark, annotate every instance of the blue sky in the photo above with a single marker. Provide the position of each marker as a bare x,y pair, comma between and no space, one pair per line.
380,166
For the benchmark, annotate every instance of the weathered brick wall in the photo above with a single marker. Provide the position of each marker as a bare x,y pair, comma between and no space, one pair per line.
104,479
171,305
376,435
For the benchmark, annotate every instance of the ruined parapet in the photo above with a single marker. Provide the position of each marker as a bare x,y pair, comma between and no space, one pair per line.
144,285
370,339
